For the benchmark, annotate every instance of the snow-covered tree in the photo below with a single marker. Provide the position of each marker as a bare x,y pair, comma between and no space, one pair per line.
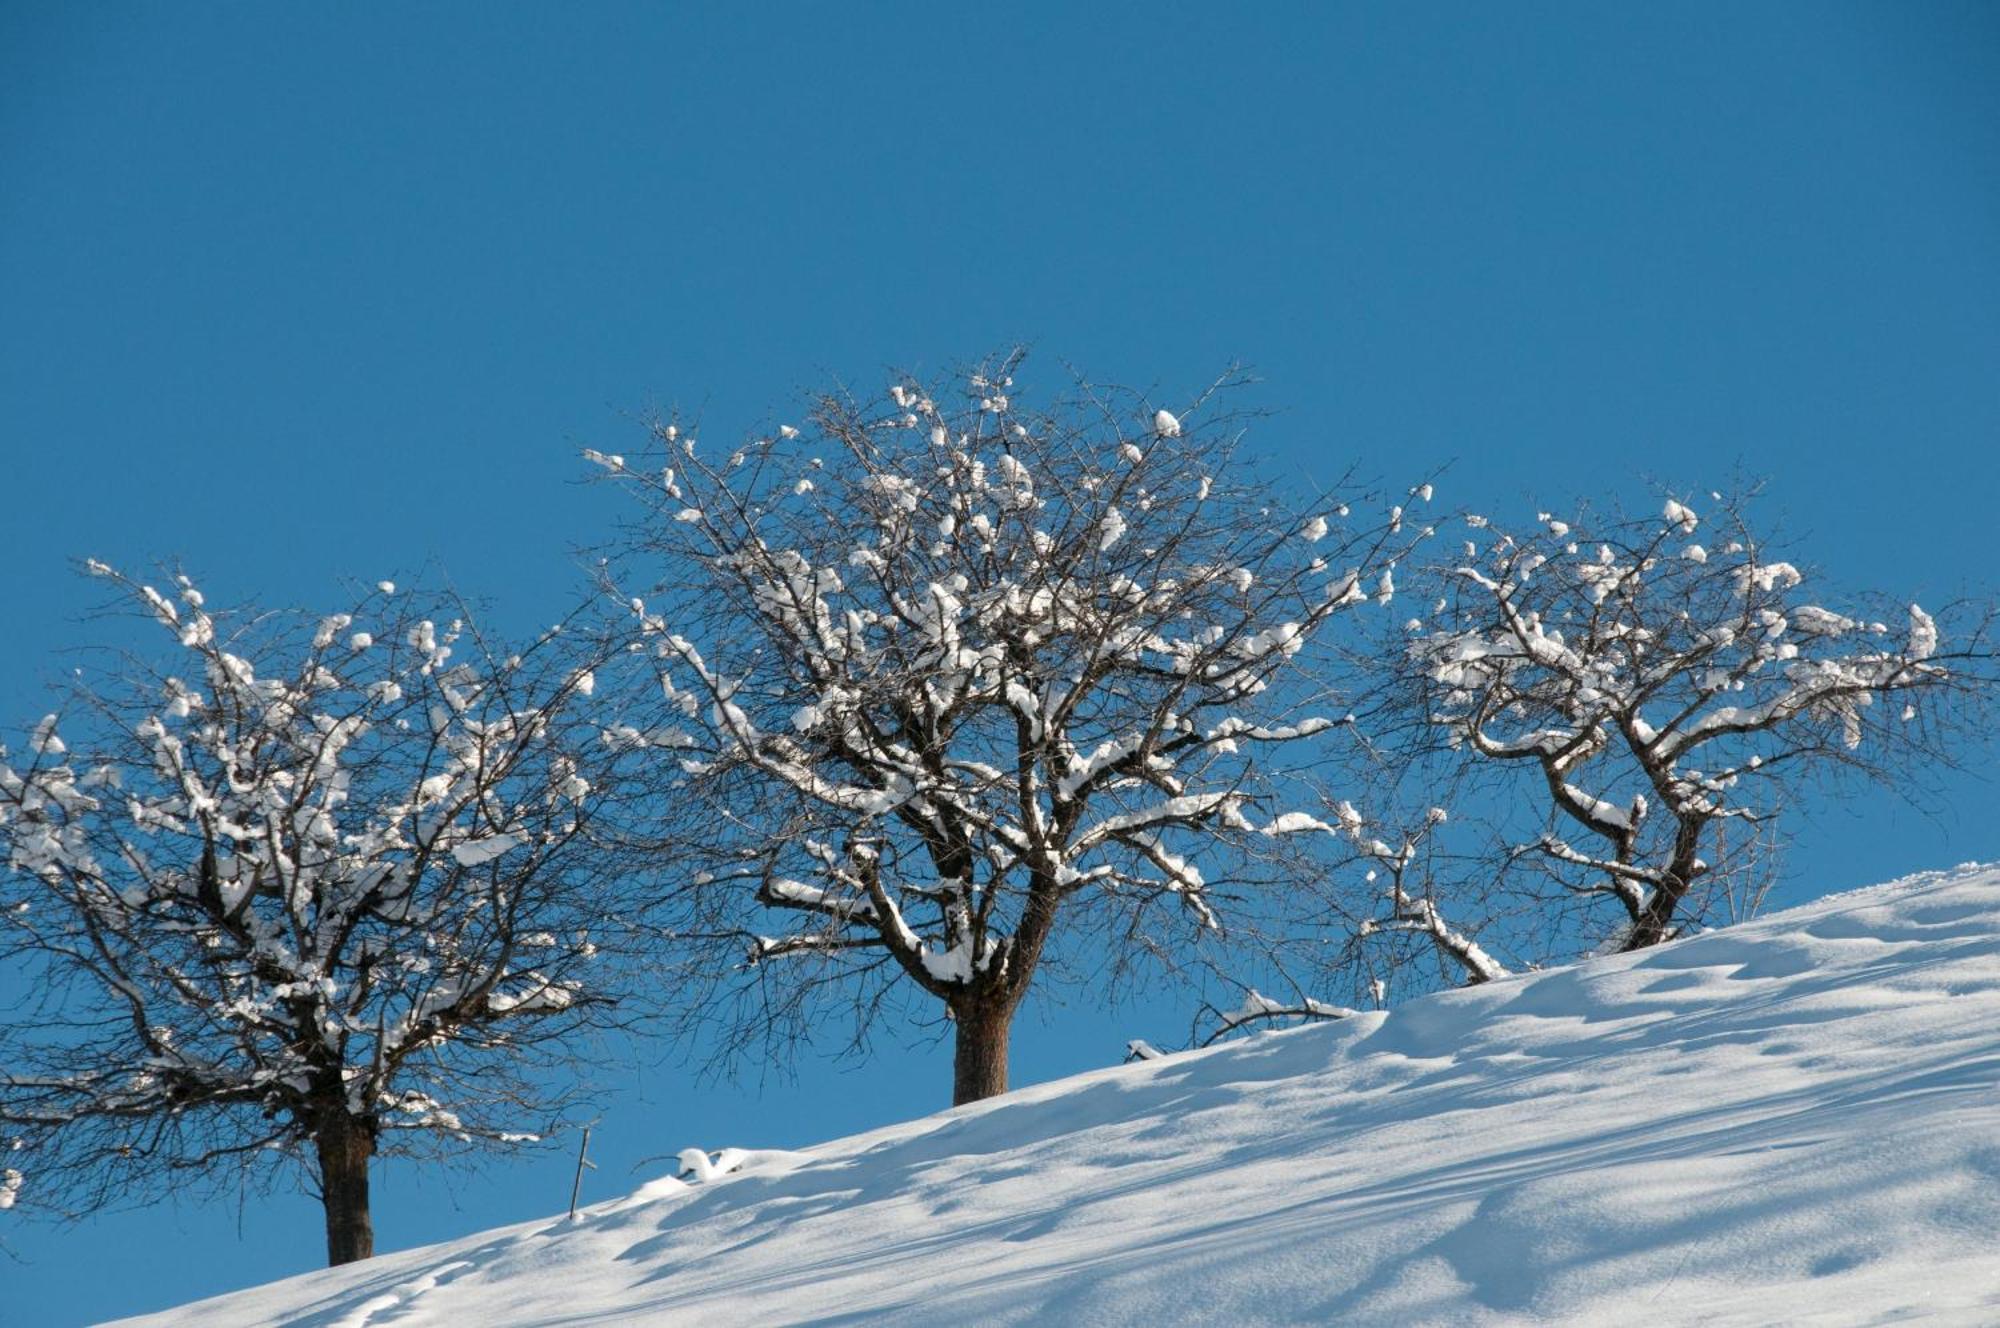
309,892
1651,682
951,682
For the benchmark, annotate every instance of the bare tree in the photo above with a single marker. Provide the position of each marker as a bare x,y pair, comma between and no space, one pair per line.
1652,690
311,892
950,680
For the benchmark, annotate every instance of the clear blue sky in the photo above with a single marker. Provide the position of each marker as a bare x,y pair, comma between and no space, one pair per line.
299,293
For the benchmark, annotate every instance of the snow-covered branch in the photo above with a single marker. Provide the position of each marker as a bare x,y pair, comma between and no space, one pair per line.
1258,1008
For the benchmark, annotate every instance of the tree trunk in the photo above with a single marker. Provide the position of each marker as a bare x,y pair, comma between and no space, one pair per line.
345,1147
979,1061
1655,923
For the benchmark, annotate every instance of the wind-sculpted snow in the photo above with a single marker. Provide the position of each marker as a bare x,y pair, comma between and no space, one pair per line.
1795,1120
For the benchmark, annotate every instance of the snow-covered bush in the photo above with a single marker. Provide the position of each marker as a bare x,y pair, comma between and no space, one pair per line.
1642,686
950,683
308,891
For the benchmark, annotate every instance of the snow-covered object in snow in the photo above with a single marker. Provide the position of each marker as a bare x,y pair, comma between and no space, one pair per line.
1791,1120
701,1166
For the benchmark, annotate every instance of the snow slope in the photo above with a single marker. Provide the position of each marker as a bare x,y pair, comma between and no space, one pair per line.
1792,1121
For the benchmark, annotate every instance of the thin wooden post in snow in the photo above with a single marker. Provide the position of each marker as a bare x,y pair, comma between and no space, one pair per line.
582,1161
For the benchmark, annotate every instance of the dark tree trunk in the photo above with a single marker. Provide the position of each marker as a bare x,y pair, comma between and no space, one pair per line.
1653,925
979,1061
345,1147
1655,922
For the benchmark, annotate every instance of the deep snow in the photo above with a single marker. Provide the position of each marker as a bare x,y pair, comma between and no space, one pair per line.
1796,1120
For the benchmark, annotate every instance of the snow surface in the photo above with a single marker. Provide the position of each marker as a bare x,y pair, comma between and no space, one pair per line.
1796,1120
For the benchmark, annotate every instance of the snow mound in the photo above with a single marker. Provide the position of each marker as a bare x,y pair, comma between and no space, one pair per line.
1794,1120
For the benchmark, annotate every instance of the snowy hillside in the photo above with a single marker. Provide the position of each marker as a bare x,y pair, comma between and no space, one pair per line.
1794,1121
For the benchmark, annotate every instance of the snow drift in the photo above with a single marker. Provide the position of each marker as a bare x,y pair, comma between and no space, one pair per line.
1794,1120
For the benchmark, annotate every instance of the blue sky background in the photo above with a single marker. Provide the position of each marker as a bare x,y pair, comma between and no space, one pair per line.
302,293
